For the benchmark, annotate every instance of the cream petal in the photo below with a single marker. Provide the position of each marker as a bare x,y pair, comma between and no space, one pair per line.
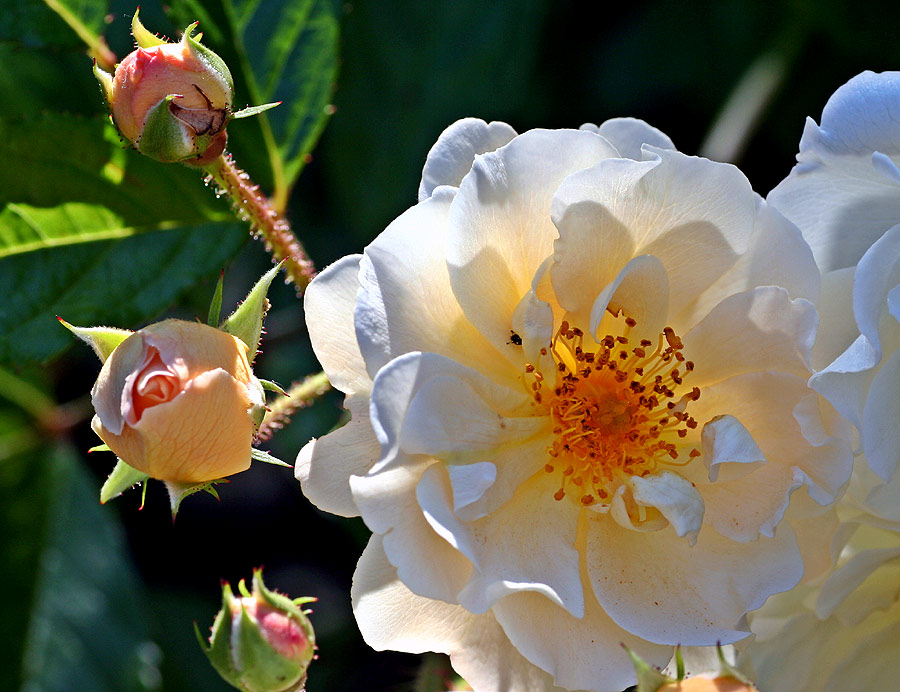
871,665
405,302
880,429
848,577
324,465
745,506
576,652
389,505
676,498
452,155
729,450
777,255
500,225
876,275
669,592
109,389
329,302
837,328
628,135
840,180
401,381
641,290
526,545
845,382
755,331
390,616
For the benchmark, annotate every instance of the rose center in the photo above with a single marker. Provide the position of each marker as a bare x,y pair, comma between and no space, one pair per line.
618,410
154,385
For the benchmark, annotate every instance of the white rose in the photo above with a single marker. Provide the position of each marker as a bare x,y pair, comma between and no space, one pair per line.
533,506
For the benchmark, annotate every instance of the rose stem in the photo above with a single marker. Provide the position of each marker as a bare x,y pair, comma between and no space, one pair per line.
265,222
300,395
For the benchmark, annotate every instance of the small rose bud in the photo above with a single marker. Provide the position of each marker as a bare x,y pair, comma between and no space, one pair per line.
178,401
171,100
262,641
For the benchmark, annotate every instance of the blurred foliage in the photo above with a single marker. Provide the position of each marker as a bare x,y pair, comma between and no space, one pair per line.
93,232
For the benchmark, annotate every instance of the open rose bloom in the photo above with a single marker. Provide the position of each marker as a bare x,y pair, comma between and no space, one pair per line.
577,372
842,632
176,400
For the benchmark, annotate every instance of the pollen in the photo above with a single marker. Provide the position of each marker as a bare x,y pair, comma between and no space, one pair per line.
619,409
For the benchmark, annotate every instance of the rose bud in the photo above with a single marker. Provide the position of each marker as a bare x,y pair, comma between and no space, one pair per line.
262,641
179,402
170,100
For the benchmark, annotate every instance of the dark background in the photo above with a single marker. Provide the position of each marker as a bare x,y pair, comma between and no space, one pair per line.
408,69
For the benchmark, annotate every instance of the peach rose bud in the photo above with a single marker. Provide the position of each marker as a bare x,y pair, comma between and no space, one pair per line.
170,100
179,402
262,641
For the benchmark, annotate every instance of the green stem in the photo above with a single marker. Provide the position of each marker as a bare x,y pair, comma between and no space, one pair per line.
300,395
265,221
49,416
97,47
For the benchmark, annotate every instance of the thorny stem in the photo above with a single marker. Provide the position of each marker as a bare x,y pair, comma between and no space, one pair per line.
265,222
300,395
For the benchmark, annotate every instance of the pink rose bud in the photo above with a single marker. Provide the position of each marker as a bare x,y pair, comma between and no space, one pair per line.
171,100
262,641
178,401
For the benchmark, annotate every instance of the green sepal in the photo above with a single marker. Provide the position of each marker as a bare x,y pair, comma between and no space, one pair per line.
102,339
648,679
142,37
106,81
727,670
215,307
100,448
179,491
164,137
121,479
263,668
219,650
270,386
246,322
260,455
250,111
211,59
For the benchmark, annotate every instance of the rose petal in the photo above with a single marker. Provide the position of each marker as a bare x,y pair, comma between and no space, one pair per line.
628,135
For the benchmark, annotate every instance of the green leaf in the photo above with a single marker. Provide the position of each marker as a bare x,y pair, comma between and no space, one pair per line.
283,50
122,478
95,233
79,616
215,306
246,322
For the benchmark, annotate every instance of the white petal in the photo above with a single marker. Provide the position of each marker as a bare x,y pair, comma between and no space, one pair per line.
628,135
527,545
329,303
758,330
836,184
405,302
729,450
881,420
837,327
324,466
872,665
877,273
389,505
845,382
579,653
848,577
641,290
501,229
658,587
452,155
676,498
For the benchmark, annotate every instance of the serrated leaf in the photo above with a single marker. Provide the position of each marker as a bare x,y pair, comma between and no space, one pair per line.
86,629
246,322
284,50
260,455
122,478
